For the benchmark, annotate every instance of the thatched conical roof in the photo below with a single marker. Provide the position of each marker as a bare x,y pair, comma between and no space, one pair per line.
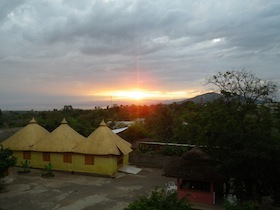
196,155
193,164
26,137
103,141
62,139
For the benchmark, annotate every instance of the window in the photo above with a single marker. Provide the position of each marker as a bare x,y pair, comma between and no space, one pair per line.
120,160
89,159
26,155
46,156
67,158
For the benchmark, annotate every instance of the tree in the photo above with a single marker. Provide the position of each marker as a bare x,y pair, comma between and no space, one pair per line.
242,135
245,142
243,86
159,200
67,108
1,119
160,123
134,132
6,160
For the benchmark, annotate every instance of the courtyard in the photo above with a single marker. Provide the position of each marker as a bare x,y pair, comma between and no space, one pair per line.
66,191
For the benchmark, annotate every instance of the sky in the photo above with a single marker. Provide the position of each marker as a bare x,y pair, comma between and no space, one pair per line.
58,52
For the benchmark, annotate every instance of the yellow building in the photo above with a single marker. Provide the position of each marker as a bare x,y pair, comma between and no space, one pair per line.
23,140
104,152
57,148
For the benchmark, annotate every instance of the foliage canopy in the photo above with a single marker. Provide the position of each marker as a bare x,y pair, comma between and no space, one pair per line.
159,200
242,85
6,159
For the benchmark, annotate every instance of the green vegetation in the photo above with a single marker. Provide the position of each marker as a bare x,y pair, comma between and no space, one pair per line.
26,166
48,171
173,150
241,130
145,149
7,160
1,119
245,205
159,200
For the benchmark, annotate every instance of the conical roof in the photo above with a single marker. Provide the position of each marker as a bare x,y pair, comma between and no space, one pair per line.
62,139
26,137
194,164
196,155
103,141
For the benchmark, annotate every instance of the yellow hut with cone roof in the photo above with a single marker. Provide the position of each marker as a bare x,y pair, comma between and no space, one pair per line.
57,148
23,140
104,152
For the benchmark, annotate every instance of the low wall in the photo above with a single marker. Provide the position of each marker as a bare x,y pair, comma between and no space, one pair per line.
149,160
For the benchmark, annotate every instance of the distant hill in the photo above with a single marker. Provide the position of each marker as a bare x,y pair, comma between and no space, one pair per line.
204,98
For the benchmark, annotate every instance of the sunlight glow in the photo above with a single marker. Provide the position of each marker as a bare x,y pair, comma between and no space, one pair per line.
141,95
132,94
137,95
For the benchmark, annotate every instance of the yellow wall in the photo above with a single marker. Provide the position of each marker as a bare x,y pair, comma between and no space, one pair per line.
103,165
36,160
19,156
58,164
126,159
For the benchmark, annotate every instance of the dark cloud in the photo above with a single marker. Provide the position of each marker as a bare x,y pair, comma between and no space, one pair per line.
171,45
6,7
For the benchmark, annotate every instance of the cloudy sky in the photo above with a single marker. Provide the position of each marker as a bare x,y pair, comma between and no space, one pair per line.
56,52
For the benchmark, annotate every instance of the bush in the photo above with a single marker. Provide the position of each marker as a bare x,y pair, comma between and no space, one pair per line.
25,166
245,205
144,149
159,200
48,171
7,160
173,150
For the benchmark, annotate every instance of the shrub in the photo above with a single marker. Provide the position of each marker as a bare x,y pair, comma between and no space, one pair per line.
159,200
144,149
173,150
48,171
25,166
7,160
244,205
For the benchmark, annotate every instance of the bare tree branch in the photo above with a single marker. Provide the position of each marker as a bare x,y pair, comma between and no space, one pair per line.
243,86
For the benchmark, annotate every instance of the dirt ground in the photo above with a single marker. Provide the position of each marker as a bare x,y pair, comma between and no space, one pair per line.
68,191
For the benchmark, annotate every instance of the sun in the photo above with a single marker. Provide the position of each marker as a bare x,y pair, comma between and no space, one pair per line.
137,95
141,95
131,94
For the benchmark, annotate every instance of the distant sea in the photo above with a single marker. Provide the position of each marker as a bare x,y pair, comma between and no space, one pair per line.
80,105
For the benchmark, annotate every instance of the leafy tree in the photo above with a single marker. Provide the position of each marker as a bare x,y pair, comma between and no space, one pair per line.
134,132
6,159
242,135
67,108
159,200
242,85
160,123
185,128
244,142
1,119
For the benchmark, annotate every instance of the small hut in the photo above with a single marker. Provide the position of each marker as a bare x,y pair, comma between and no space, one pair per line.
23,140
57,148
104,152
195,175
